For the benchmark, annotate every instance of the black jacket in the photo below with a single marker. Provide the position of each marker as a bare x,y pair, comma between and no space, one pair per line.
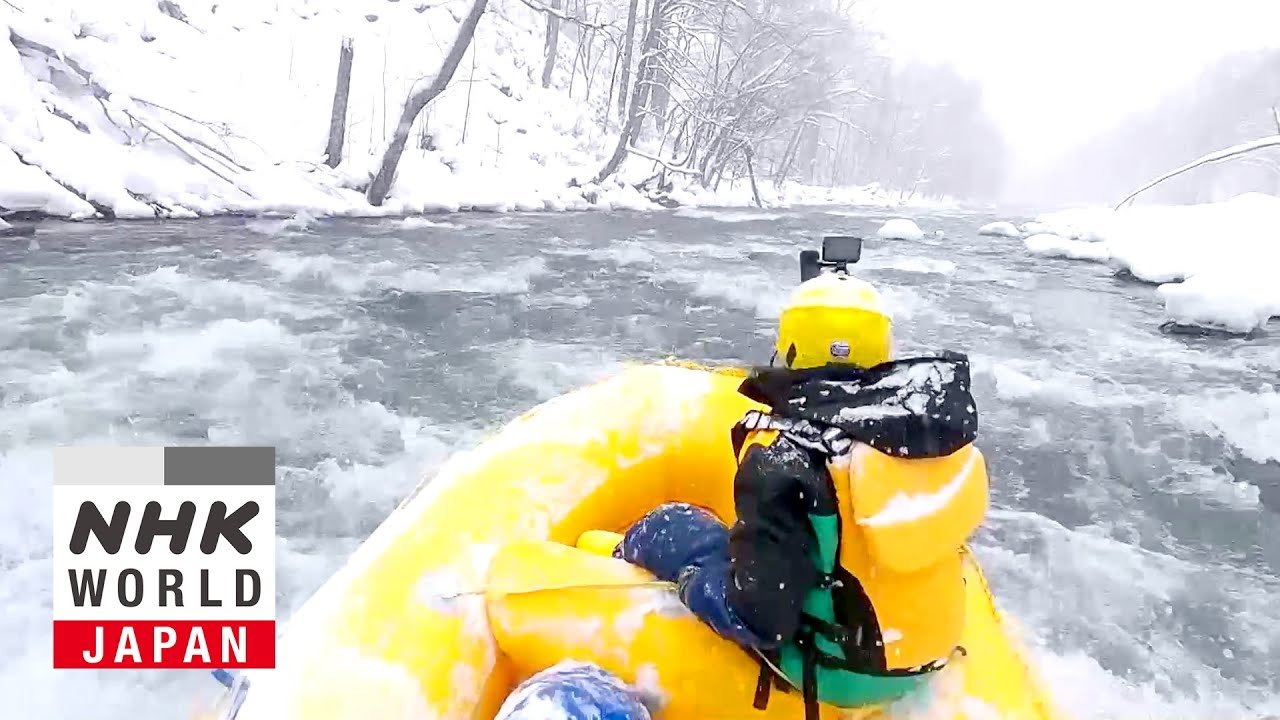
913,408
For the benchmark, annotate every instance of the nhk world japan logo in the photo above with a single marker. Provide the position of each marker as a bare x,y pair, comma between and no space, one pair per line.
164,557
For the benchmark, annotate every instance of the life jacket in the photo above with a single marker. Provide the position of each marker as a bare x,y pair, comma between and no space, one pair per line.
909,488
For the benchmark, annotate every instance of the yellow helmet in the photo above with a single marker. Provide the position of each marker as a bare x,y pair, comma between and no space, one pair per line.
834,318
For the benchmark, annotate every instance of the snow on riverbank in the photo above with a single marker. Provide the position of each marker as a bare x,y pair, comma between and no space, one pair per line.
118,108
1217,264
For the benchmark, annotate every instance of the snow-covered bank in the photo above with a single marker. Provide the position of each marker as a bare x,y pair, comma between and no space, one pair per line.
119,108
1217,264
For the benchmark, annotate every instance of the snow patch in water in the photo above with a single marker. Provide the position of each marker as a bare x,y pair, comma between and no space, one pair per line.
1000,229
418,222
900,229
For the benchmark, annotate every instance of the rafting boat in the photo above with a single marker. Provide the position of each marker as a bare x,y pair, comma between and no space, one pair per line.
479,580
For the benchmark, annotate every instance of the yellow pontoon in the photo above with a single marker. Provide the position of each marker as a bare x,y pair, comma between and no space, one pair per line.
475,582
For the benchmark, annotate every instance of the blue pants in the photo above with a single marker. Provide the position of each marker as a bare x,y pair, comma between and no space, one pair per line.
573,691
687,545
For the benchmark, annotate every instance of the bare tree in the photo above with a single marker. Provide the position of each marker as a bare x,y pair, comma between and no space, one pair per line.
338,117
636,118
380,188
628,44
553,39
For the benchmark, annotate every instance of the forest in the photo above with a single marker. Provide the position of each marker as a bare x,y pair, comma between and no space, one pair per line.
176,108
761,90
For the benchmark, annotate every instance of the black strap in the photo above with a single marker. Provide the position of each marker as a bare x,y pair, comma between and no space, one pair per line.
763,685
838,634
856,661
809,678
738,436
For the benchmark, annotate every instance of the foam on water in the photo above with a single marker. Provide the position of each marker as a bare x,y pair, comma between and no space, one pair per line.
1249,421
552,369
153,359
728,216
413,223
1107,605
354,277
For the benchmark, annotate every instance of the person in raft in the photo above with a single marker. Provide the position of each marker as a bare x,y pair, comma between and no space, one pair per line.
855,494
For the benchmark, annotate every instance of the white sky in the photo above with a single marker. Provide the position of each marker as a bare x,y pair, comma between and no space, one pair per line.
1057,71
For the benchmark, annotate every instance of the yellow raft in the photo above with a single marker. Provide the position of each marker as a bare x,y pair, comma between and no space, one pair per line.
474,583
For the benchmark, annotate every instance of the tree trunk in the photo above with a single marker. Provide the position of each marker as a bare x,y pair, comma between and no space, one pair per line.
338,118
659,80
553,40
628,44
634,121
380,188
789,155
837,159
751,173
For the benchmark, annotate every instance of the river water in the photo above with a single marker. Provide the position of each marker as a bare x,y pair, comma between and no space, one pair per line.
1135,533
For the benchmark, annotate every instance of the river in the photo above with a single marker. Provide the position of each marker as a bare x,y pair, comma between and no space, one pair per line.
1135,532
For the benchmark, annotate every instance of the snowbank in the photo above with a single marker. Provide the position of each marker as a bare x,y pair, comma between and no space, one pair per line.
1000,229
1217,264
900,229
120,109
117,107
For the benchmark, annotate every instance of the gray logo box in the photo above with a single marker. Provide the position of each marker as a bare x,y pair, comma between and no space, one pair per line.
219,466
205,465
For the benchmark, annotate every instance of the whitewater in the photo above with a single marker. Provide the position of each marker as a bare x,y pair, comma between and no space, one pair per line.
1135,533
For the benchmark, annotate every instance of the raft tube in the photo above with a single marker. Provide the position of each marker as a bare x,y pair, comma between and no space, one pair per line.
474,583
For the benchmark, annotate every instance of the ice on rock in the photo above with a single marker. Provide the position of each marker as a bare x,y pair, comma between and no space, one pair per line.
900,229
1000,229
1049,245
1237,303
1215,263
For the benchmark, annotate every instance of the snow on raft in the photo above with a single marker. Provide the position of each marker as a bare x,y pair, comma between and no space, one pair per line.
1216,263
900,229
1000,229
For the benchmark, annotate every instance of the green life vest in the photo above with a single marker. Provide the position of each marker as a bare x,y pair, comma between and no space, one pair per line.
817,662
828,661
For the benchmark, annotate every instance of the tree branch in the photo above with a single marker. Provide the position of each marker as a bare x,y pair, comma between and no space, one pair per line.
538,7
673,168
1213,157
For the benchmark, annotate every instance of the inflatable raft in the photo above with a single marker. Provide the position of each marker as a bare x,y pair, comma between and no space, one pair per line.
476,582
